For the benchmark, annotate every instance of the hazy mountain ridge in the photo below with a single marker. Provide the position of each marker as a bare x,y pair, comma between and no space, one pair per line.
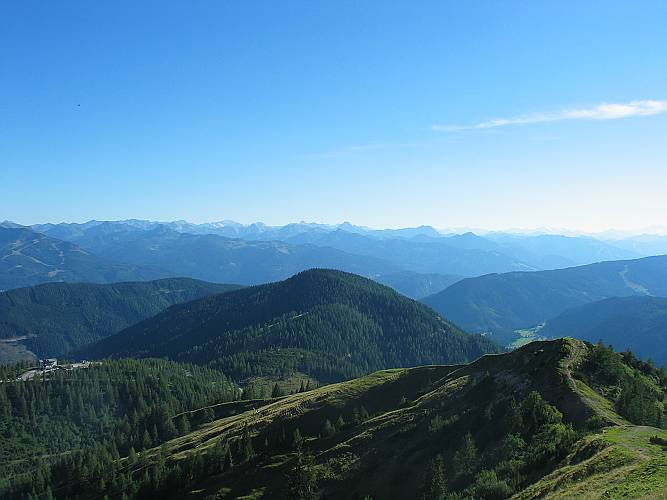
256,253
550,251
29,258
220,259
422,255
400,250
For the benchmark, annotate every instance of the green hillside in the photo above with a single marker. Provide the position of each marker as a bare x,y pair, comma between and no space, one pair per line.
328,324
637,323
29,258
558,419
54,318
505,302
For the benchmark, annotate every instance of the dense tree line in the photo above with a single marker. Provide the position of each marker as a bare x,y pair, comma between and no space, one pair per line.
98,473
332,342
120,406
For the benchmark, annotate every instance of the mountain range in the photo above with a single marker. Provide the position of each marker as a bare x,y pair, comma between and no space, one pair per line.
256,253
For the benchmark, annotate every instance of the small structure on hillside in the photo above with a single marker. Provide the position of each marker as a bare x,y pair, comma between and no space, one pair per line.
48,363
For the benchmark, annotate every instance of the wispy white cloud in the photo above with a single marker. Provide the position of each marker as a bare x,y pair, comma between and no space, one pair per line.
604,111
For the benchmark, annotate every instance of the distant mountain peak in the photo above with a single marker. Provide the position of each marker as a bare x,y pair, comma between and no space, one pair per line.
10,224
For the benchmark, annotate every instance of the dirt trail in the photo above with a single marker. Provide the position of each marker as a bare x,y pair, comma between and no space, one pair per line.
577,351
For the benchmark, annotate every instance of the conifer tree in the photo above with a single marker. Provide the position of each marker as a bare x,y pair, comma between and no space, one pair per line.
301,481
465,460
340,423
436,484
328,430
183,424
228,461
276,392
297,439
247,451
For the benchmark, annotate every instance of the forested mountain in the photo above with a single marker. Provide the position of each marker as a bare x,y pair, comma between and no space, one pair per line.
329,324
552,419
28,258
505,302
417,285
55,318
638,323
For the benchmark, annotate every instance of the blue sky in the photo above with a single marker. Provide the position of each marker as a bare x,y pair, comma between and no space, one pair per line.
477,113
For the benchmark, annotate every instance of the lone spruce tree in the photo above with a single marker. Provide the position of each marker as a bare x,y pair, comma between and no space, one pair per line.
436,484
247,451
301,482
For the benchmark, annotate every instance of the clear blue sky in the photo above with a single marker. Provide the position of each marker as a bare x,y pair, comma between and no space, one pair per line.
376,112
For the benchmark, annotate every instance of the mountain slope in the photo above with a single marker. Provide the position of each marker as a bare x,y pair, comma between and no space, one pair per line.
552,419
417,285
329,324
637,323
28,258
505,302
219,259
55,318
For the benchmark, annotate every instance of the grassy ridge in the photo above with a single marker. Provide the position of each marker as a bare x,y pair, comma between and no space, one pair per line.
551,419
617,462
